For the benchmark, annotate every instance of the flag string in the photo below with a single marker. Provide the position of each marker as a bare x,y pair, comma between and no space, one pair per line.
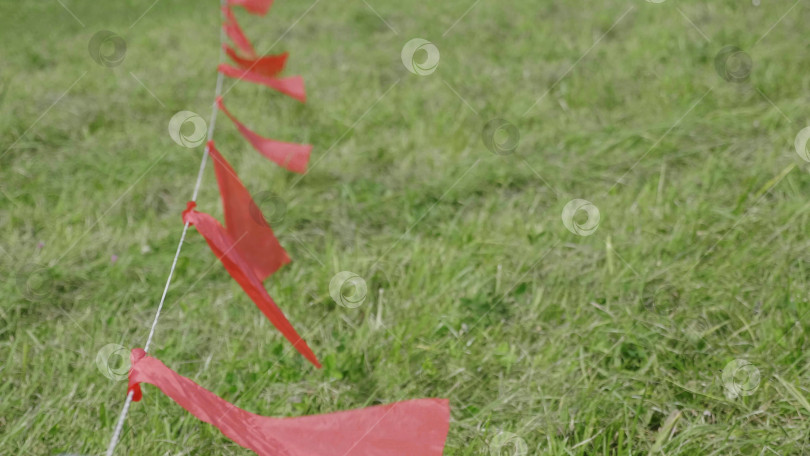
211,124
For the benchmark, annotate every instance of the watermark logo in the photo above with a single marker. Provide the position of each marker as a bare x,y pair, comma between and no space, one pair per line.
267,208
733,64
500,137
508,444
696,329
348,289
113,362
801,143
107,49
187,139
740,378
419,46
586,228
34,282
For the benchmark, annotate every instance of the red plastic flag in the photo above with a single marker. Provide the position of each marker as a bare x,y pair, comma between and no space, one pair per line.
409,428
291,156
243,220
235,33
292,86
259,7
223,247
269,65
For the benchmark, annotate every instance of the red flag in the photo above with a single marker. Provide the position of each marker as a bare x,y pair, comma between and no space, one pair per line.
292,86
243,220
259,7
234,32
269,65
291,156
223,247
409,428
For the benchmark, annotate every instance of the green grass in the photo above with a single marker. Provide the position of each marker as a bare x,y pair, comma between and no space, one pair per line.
613,343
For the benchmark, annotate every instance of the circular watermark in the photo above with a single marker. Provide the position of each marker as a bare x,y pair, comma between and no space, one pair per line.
267,208
107,49
588,227
740,378
35,282
696,329
733,64
500,137
113,362
409,56
192,139
660,297
801,143
348,289
508,444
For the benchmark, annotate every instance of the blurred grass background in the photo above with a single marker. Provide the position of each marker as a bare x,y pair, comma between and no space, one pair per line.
613,343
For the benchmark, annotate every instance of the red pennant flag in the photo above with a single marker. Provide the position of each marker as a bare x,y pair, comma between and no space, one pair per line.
243,220
409,428
292,86
291,156
223,247
259,7
269,65
235,33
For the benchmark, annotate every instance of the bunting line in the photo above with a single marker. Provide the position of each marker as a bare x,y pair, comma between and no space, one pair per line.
403,428
211,125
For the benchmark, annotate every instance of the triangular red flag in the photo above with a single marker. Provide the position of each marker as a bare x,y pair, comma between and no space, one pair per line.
269,65
292,86
223,247
291,156
408,428
258,244
259,7
235,33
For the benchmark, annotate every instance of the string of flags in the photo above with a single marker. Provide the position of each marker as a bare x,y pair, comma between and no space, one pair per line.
250,253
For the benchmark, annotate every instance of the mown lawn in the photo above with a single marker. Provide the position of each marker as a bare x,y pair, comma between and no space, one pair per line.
545,341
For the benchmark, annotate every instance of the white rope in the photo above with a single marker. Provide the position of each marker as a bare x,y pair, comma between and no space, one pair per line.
220,78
